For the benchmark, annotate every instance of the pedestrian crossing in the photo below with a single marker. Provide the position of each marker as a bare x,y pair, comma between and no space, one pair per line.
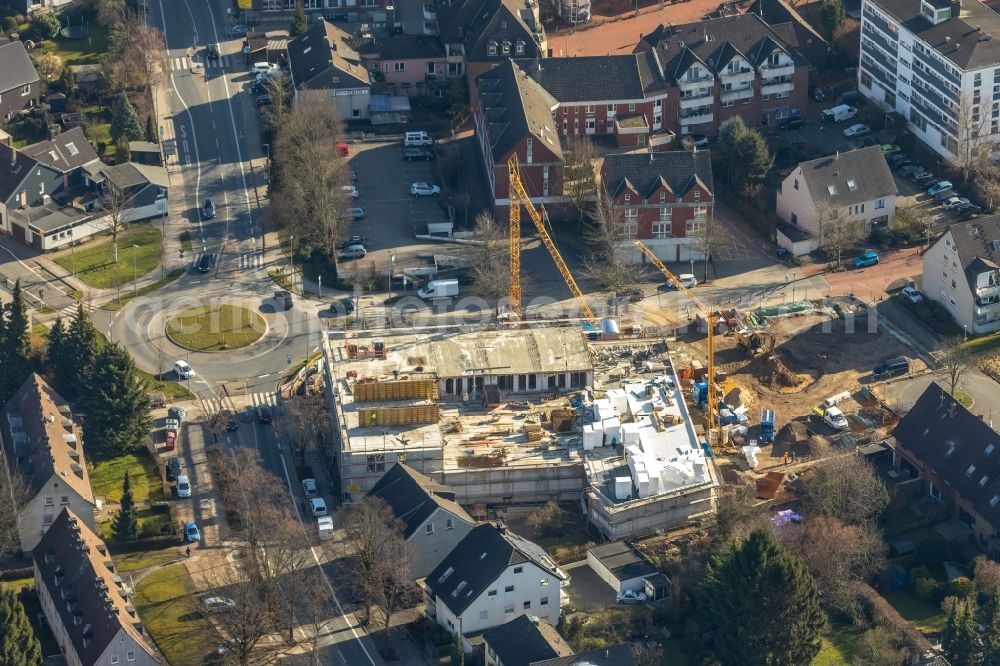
67,312
214,404
183,63
251,260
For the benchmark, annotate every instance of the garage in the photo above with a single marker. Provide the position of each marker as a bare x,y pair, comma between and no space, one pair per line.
620,565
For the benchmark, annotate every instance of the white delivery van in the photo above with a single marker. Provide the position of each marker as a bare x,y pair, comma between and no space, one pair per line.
439,289
839,113
324,527
417,139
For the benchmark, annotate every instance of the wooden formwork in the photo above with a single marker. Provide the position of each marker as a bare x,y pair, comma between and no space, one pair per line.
375,417
392,390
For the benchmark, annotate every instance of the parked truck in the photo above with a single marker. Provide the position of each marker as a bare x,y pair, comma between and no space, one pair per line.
438,289
767,426
832,416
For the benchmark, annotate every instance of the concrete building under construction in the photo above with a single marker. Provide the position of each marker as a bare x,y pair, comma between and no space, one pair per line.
505,417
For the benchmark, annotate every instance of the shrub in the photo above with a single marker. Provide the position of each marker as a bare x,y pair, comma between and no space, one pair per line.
925,589
158,525
9,24
962,587
44,25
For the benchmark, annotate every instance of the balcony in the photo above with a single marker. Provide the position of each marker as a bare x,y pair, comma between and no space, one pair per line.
696,101
883,43
773,71
737,94
697,116
704,81
876,21
738,78
992,290
776,87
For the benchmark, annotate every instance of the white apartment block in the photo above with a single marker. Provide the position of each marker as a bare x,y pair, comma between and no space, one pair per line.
935,63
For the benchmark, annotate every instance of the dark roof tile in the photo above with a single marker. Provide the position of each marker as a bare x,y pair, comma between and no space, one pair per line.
413,497
847,178
514,105
525,640
644,171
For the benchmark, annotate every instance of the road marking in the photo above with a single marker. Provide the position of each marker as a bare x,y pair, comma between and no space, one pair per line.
264,376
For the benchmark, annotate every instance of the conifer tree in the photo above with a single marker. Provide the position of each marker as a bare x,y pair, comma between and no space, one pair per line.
18,644
764,603
125,123
127,521
15,365
300,23
77,358
116,402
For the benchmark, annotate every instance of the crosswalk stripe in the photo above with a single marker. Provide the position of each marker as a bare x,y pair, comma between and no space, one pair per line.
251,260
216,405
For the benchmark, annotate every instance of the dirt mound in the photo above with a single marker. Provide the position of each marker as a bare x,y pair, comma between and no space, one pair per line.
792,432
739,397
775,375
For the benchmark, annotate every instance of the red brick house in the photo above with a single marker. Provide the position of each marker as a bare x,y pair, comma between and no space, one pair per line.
733,66
665,198
955,457
513,114
404,64
335,10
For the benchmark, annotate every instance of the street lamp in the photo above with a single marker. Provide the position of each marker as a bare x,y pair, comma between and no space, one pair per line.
135,276
784,296
793,286
291,260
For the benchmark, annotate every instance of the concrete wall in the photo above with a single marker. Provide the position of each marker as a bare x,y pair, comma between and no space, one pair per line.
430,549
558,479
646,516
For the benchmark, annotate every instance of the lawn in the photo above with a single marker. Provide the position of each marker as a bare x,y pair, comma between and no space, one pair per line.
99,127
983,344
123,300
839,645
216,327
186,241
106,476
86,51
170,390
927,617
126,562
166,605
94,261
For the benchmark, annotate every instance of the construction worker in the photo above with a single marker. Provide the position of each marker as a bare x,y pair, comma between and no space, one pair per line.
786,457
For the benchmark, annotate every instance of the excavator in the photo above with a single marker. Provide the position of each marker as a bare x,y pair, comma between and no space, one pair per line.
754,343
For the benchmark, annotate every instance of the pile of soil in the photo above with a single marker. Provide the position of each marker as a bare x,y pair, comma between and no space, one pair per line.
791,433
819,447
775,375
739,397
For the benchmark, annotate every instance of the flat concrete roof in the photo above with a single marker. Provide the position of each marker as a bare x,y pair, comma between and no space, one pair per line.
623,560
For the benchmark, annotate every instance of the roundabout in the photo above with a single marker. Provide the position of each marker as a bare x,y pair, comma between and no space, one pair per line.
215,327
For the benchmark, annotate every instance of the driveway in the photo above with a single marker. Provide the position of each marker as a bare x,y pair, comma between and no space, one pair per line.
870,283
902,395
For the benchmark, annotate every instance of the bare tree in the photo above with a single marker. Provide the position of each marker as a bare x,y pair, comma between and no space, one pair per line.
709,241
10,507
48,65
837,232
971,134
312,205
389,583
307,425
115,201
148,49
490,261
578,174
986,175
609,238
846,488
647,653
279,89
110,11
955,361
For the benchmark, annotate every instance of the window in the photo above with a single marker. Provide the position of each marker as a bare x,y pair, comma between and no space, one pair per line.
628,198
544,582
64,500
491,49
399,66
49,501
491,593
508,589
506,48
376,462
130,655
431,68
880,204
631,107
989,449
114,659
519,47
852,185
449,524
611,108
518,570
661,230
508,609
697,195
795,183
590,108
544,601
527,605
728,104
630,228
26,90
700,212
529,147
694,227
430,528
484,615
971,470
663,197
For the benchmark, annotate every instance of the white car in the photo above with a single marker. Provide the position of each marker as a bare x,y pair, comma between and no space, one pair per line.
424,190
183,486
218,603
687,281
351,190
318,506
631,597
356,213
265,68
954,203
309,487
912,295
859,129
183,370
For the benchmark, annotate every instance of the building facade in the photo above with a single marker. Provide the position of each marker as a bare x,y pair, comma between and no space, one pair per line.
665,200
322,59
43,444
962,274
405,64
934,63
19,83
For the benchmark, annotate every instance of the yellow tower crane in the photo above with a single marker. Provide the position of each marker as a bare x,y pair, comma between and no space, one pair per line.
706,312
519,197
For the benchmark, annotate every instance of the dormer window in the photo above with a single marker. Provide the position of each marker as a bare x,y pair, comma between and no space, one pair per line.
519,47
491,48
506,48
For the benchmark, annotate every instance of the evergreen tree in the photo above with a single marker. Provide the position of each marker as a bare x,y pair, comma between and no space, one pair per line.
150,129
991,648
746,157
127,521
17,346
18,644
116,402
300,23
764,603
831,15
963,645
125,122
55,347
73,367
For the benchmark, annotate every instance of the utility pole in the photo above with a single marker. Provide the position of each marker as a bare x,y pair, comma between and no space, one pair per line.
135,275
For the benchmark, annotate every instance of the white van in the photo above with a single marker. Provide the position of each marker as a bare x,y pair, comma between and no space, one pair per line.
439,289
183,370
264,68
840,113
417,139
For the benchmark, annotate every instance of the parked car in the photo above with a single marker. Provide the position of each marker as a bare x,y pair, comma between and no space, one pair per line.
208,209
694,141
897,157
178,413
354,240
890,149
264,414
968,210
216,604
869,258
791,124
417,155
283,298
183,370
939,186
852,97
356,213
318,506
921,176
633,295
183,486
264,100
191,532
817,94
342,307
353,252
173,468
687,281
309,487
230,420
351,190
631,597
907,168
421,189
264,68
858,129
912,295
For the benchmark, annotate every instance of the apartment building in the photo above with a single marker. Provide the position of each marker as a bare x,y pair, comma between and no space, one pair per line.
732,66
962,273
935,63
